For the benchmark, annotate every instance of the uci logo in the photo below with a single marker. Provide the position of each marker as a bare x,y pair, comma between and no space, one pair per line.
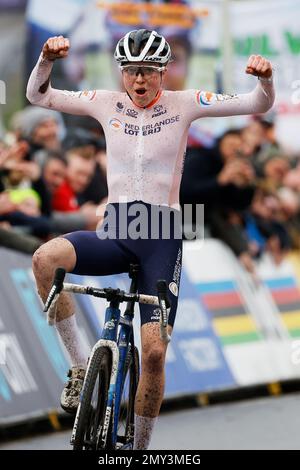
115,124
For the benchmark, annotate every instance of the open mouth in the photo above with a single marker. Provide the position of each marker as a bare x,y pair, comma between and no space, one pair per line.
141,91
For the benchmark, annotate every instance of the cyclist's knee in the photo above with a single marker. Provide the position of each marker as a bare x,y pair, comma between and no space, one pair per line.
56,253
39,260
153,359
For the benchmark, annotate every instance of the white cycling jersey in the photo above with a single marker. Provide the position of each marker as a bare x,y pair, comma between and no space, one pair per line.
145,146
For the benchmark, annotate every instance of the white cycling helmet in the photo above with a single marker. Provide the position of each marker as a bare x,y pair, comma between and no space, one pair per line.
143,45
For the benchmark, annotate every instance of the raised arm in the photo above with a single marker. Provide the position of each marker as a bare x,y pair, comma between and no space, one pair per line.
260,100
40,92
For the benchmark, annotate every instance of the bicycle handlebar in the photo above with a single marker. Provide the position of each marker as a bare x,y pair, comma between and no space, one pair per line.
160,301
121,296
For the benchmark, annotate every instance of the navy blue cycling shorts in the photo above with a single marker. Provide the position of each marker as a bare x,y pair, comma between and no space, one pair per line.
158,253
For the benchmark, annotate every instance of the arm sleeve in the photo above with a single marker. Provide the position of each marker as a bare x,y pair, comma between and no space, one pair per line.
40,92
206,104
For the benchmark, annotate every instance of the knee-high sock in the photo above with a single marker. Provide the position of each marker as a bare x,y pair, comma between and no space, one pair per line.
143,428
69,333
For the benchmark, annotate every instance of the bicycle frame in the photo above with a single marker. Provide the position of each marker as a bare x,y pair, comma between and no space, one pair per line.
119,346
126,337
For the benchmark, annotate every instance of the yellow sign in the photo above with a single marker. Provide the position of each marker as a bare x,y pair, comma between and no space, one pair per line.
153,15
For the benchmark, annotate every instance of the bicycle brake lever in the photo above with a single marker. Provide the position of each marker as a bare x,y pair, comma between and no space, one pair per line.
57,287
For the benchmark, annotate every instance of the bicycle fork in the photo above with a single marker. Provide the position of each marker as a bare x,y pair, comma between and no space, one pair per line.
112,389
123,346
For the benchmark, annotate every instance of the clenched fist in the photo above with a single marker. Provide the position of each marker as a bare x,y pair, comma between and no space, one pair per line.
259,66
56,48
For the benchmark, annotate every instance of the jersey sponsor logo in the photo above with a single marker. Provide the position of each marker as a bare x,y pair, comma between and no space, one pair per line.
173,288
120,107
157,127
86,95
205,98
152,59
132,129
109,325
132,113
74,94
155,314
226,97
158,110
115,124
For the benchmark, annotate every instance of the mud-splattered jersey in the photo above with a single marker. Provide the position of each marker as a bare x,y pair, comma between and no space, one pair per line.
145,146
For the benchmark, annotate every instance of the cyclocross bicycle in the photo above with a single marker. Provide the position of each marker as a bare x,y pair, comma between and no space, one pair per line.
105,415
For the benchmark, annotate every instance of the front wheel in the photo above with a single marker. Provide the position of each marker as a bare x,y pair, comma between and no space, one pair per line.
90,423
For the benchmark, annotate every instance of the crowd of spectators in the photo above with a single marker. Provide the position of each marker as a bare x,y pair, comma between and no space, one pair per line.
53,178
250,189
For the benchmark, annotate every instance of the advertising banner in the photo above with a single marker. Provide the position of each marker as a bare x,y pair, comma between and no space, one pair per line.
197,31
12,4
195,360
34,364
192,28
256,323
272,30
229,331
